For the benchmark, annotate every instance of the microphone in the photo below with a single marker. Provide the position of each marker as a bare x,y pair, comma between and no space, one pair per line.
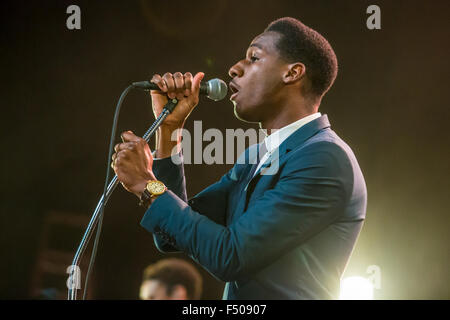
214,89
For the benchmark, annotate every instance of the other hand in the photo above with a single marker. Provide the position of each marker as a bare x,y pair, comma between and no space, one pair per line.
133,163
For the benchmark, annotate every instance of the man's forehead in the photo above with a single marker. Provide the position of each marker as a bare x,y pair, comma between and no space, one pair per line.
152,285
265,41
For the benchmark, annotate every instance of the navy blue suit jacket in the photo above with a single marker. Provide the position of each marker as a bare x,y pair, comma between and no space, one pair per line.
286,235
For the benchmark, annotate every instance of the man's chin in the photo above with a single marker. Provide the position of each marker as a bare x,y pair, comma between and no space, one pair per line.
242,115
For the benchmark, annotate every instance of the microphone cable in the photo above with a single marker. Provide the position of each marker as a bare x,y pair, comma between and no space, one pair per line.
108,171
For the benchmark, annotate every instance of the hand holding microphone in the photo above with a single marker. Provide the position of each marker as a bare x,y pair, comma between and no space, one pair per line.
184,87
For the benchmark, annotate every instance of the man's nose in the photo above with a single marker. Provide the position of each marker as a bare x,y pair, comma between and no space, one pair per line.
236,71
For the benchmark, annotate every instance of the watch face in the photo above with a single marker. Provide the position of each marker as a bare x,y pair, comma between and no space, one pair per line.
156,187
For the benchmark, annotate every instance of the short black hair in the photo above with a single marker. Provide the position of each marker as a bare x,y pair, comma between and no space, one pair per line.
172,272
300,43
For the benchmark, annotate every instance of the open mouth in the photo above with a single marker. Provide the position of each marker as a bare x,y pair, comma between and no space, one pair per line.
234,89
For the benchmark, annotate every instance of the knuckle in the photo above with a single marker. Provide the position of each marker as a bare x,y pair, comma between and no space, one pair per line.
167,75
161,83
177,74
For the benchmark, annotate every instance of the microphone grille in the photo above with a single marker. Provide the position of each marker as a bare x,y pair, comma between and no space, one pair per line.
217,89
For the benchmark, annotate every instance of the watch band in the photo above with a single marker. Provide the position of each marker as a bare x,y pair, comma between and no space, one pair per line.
150,193
145,199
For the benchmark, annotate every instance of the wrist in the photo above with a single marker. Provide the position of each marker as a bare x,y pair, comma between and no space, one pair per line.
153,190
139,188
168,128
168,141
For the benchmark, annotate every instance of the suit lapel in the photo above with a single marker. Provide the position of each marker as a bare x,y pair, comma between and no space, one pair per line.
294,141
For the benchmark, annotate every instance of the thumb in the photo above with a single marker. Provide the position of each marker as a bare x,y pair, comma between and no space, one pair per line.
196,82
128,136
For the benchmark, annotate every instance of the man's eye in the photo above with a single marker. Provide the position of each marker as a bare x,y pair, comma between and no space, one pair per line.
254,58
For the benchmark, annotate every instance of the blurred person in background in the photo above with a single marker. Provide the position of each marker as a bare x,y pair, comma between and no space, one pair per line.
171,279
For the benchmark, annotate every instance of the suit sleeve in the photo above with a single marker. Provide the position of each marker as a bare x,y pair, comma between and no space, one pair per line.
310,194
170,171
211,202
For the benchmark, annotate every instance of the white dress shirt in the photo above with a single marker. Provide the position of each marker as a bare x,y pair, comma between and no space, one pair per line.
274,140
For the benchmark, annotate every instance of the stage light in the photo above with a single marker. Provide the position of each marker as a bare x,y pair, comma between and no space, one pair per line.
356,288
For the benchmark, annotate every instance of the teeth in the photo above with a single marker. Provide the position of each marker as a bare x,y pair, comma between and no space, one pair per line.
233,88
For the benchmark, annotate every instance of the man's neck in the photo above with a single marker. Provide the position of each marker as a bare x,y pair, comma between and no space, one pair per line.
290,113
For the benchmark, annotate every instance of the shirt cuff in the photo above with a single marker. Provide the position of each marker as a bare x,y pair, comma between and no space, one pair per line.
176,158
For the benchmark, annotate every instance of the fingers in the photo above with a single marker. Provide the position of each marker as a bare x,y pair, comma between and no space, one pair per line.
178,85
168,78
159,81
187,83
129,141
128,136
130,144
115,157
123,146
196,83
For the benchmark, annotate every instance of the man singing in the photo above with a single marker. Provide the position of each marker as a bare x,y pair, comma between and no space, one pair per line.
285,235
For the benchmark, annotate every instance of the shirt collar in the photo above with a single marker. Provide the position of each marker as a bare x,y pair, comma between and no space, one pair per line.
274,140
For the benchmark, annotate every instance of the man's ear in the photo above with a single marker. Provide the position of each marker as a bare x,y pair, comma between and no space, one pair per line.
294,72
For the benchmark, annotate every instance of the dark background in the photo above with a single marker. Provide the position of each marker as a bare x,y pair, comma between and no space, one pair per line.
59,89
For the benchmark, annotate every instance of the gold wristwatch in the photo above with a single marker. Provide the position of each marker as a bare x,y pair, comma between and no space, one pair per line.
153,189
